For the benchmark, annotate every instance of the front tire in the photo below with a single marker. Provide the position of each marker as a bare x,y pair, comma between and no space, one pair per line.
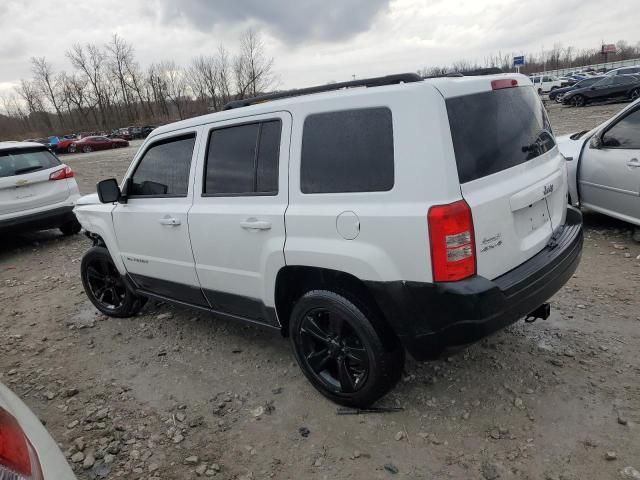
635,94
340,351
105,287
87,149
579,101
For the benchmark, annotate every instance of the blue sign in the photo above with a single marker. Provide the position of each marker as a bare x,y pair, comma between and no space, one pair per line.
518,60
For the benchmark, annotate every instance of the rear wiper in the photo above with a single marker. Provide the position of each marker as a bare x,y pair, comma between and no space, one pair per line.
537,143
27,169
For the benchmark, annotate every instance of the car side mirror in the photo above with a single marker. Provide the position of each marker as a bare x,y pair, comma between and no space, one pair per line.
109,191
595,142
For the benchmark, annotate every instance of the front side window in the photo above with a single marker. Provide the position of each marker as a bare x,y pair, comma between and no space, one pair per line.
164,168
348,151
243,159
625,133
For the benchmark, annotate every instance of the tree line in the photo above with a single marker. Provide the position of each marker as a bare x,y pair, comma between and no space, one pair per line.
555,58
107,88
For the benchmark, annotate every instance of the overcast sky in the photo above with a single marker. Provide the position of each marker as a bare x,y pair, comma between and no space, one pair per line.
312,41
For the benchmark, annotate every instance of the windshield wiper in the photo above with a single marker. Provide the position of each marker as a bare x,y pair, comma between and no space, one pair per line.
27,169
538,143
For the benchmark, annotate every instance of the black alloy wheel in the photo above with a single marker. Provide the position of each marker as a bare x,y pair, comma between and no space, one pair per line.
333,351
344,348
105,284
105,287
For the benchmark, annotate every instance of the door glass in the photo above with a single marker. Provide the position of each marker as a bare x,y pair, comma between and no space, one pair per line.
625,133
164,168
243,159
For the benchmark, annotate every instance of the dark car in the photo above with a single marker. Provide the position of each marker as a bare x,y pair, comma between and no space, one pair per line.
608,88
146,130
558,93
89,144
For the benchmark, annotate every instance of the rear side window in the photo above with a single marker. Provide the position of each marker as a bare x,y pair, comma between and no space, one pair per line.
348,151
496,130
164,169
25,160
243,159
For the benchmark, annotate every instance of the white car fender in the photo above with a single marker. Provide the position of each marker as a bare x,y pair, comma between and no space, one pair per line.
95,217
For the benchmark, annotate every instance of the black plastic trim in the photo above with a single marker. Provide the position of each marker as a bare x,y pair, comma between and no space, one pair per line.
365,82
429,318
241,306
179,291
53,218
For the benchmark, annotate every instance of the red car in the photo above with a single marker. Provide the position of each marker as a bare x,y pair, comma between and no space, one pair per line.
90,144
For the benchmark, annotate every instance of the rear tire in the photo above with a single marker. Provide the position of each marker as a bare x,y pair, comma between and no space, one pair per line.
87,149
579,101
635,94
72,227
340,351
105,287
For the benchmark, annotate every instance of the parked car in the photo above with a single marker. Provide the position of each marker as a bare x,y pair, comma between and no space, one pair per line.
27,451
36,190
607,88
624,71
396,237
64,143
567,81
558,93
89,144
604,166
146,130
545,83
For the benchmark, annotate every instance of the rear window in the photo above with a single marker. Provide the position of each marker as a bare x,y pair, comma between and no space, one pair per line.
496,130
25,160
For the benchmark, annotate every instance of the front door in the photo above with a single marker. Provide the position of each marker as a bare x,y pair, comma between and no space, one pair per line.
237,220
152,227
609,177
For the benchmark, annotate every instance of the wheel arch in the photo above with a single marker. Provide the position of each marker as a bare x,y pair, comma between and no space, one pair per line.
294,281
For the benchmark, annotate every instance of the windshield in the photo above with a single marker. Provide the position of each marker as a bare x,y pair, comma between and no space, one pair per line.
25,160
497,130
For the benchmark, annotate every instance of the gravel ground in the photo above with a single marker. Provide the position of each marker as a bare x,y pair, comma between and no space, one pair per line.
176,394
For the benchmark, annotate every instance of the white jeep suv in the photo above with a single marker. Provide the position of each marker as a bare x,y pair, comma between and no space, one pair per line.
360,219
36,190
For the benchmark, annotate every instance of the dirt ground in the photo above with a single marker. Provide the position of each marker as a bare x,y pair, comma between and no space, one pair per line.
176,394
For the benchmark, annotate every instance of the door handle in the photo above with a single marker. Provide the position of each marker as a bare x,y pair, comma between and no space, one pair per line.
253,224
171,221
633,163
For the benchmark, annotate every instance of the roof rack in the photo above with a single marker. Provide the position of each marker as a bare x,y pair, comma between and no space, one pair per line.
365,82
470,73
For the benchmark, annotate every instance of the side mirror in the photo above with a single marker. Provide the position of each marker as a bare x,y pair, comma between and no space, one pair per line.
109,191
595,142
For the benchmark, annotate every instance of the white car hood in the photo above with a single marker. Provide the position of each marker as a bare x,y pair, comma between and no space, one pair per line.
91,199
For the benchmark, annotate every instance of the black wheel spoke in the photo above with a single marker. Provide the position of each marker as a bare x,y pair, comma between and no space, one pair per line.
318,360
336,323
358,355
347,382
93,273
310,327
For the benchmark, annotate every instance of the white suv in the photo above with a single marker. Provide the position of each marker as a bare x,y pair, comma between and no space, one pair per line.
360,219
36,190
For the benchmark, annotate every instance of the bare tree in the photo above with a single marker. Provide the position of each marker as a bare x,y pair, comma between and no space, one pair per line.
46,82
91,64
119,56
253,70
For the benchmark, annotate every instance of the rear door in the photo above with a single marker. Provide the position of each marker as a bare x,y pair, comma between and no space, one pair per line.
24,180
237,220
511,174
609,177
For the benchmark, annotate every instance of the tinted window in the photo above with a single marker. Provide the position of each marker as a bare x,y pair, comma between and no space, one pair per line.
623,80
625,133
605,82
493,131
25,160
243,159
164,168
587,82
347,151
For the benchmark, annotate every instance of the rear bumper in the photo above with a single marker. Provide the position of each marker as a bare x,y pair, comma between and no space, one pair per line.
432,317
52,218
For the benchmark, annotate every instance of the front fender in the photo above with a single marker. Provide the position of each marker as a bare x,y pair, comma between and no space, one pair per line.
97,219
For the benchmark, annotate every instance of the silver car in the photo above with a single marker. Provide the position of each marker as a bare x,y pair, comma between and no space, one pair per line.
27,451
604,166
37,191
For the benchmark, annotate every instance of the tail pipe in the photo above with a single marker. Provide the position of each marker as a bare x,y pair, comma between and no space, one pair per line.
543,312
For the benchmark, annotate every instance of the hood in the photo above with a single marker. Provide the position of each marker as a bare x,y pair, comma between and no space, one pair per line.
91,199
569,147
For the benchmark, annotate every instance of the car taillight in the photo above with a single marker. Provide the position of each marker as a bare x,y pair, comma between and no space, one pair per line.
61,174
504,83
453,252
18,459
